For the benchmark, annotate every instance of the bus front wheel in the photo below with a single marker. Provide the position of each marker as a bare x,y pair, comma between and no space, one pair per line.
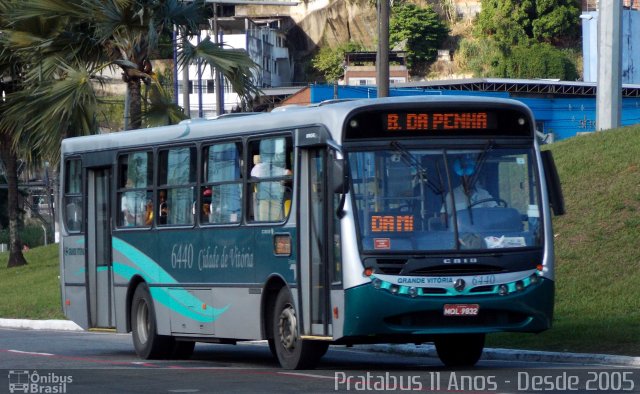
146,341
292,351
460,350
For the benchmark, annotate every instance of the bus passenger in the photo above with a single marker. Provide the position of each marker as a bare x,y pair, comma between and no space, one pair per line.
207,214
269,195
133,205
163,210
148,215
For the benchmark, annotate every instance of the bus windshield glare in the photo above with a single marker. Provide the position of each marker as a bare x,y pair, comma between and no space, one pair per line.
404,202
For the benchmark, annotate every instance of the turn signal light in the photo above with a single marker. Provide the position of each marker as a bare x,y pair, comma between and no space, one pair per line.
368,271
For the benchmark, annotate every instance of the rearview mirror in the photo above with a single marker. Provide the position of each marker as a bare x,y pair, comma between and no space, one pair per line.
554,190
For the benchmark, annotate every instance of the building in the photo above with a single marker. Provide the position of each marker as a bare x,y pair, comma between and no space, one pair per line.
630,43
360,68
562,109
265,42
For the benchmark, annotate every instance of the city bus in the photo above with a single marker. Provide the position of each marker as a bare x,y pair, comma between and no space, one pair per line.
393,220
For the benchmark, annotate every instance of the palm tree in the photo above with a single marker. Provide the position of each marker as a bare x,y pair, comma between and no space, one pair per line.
125,33
55,50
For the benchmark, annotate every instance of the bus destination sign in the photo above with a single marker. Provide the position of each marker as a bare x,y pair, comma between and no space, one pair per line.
470,121
399,121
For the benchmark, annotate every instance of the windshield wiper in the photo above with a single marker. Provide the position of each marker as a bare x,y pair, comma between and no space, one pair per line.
480,160
409,159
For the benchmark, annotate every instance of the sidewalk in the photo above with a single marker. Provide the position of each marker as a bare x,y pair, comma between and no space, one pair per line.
416,350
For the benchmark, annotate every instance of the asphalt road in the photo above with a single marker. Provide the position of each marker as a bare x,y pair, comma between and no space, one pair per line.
95,362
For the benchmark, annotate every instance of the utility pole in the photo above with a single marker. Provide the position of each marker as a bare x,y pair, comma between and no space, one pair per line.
609,93
217,75
185,83
382,57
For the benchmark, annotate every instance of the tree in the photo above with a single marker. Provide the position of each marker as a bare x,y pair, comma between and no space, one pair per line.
517,22
420,29
11,71
126,34
330,61
518,39
52,52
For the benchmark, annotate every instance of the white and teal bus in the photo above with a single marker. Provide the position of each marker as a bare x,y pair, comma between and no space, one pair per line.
397,220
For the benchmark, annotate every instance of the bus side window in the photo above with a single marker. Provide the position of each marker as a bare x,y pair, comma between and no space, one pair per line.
135,197
271,178
221,192
177,178
73,195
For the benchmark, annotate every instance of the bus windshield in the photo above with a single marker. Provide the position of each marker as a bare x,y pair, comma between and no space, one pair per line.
412,199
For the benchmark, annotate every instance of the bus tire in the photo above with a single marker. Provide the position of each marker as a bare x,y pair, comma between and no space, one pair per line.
460,350
272,347
292,351
146,341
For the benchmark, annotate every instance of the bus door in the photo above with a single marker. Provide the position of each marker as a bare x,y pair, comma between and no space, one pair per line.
317,252
99,265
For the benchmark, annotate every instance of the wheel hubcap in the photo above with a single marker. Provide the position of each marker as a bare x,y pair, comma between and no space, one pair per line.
142,320
287,326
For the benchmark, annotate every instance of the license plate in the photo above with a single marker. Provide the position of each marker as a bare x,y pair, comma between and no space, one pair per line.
461,309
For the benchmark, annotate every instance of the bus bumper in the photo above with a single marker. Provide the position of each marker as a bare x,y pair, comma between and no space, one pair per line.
376,312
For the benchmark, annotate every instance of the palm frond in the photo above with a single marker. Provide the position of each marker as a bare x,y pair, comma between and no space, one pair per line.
161,109
235,65
41,115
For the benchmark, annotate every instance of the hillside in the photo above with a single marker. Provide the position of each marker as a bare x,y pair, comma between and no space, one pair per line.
597,247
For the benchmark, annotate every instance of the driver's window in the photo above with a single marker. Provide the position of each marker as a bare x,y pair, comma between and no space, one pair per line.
514,187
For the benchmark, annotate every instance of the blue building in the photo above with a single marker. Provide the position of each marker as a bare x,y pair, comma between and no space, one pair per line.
562,109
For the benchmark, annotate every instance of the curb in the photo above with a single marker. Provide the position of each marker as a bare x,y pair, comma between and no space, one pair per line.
516,355
406,349
25,324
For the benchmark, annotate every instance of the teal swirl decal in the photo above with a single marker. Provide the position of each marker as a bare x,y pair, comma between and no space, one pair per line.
177,299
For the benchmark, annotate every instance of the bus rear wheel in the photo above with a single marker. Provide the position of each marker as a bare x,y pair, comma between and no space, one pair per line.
292,351
460,350
146,341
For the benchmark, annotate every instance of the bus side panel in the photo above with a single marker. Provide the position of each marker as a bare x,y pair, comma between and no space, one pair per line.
120,305
73,280
239,313
338,319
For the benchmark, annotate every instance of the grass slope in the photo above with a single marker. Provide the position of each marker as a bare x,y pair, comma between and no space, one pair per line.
597,248
31,291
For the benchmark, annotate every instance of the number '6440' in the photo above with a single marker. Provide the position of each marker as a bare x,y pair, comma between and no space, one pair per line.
182,256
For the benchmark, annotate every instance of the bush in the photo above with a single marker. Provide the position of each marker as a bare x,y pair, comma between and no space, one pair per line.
537,61
31,235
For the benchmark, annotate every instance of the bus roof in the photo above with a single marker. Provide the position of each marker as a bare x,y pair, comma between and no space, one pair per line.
332,116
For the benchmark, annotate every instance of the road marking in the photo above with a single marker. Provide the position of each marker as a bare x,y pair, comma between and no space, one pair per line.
32,353
307,375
